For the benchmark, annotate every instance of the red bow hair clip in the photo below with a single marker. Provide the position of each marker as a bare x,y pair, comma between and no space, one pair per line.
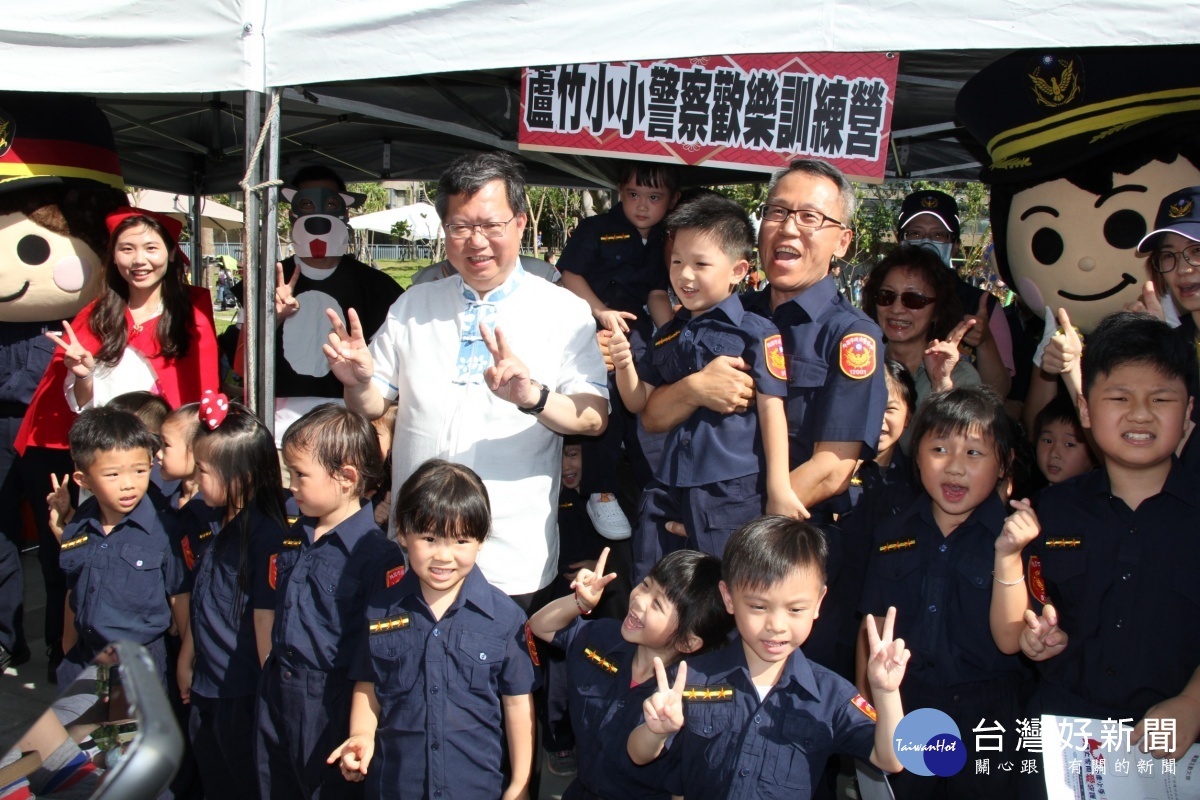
214,407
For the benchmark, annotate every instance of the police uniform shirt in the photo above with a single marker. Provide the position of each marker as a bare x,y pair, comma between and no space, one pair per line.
739,748
1126,586
710,446
322,589
198,526
1187,331
25,355
605,709
577,536
824,403
941,587
607,251
351,284
439,684
223,611
120,583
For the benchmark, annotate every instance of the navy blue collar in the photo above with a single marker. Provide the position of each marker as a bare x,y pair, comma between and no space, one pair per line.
144,516
474,590
732,658
348,533
731,308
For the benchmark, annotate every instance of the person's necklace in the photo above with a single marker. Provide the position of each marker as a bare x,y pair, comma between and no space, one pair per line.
137,326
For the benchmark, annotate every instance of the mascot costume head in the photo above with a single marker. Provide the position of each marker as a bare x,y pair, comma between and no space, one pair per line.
320,213
1082,147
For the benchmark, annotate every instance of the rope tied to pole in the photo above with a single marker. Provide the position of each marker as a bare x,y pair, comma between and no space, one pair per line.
272,119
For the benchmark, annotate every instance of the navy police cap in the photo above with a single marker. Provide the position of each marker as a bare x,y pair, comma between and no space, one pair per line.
55,138
1179,212
1039,113
932,202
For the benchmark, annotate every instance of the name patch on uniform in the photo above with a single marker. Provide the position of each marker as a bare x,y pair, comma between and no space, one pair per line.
73,543
394,575
291,544
1037,584
273,571
776,361
857,356
531,646
708,694
189,557
616,237
395,623
860,702
1064,544
596,657
897,544
665,339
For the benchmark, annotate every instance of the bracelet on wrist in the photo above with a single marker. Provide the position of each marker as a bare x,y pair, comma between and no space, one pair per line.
1008,583
584,610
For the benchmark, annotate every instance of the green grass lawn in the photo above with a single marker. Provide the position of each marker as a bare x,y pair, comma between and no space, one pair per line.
401,272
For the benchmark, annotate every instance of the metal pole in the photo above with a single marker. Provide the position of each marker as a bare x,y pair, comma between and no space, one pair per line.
270,240
198,272
251,279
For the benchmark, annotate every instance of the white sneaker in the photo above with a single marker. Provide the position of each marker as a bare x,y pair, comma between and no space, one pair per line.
608,518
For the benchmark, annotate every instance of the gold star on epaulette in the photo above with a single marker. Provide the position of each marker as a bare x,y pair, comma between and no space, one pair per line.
72,544
291,544
708,694
897,544
390,624
1063,544
205,534
596,657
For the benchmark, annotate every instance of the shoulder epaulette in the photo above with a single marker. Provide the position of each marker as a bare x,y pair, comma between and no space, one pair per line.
596,657
293,520
616,237
897,544
390,624
708,694
568,504
204,534
667,338
1063,544
291,544
73,543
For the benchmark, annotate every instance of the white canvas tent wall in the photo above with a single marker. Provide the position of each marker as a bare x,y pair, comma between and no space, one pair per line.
422,219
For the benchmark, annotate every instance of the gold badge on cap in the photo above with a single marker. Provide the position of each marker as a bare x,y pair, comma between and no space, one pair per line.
1180,208
1056,82
929,202
8,132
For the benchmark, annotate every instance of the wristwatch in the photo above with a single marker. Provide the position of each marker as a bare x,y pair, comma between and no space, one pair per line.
541,403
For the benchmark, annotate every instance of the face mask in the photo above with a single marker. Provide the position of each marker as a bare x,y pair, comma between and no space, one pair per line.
319,228
941,248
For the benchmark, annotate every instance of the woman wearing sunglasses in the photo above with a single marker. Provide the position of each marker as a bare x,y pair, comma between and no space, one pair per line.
911,295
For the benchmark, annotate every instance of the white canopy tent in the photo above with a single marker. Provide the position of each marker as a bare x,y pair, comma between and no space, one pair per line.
217,216
422,219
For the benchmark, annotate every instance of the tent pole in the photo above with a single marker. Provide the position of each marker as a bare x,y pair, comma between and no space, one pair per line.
270,240
255,298
199,274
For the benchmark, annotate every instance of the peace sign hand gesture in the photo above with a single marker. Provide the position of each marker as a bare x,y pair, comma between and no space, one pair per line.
347,352
76,357
941,357
589,585
286,303
889,657
664,709
508,377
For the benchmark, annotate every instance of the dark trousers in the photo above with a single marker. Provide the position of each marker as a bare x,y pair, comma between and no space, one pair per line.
302,715
12,596
33,484
222,735
602,454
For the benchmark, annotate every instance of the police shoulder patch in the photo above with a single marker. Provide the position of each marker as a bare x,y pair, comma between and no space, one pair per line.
1037,583
708,694
893,545
394,575
596,657
78,541
273,571
860,702
398,622
856,356
776,360
189,557
531,646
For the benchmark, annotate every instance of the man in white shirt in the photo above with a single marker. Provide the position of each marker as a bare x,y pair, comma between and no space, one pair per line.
488,368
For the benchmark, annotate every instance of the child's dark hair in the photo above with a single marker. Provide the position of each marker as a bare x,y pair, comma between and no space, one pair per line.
102,430
241,453
965,410
645,173
1061,409
690,579
897,373
444,500
1127,337
768,549
334,436
151,409
188,416
719,218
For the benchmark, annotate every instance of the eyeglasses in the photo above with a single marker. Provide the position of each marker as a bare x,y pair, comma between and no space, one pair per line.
941,237
490,230
805,217
1166,260
914,300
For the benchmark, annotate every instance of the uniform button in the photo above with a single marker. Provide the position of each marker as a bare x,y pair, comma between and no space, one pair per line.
438,794
434,746
434,690
287,674
437,631
1126,576
308,556
139,563
743,772
91,590
1119,622
708,728
288,604
957,698
483,656
620,704
104,546
757,718
291,653
932,609
685,442
942,547
1110,671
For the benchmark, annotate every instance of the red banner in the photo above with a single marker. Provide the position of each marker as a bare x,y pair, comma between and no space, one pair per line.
750,112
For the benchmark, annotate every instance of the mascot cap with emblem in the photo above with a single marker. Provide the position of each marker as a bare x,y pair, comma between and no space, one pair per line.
1081,146
59,178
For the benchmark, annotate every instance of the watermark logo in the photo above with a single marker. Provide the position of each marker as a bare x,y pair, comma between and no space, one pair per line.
929,743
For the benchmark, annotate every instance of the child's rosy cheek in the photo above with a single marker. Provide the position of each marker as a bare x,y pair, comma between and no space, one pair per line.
71,273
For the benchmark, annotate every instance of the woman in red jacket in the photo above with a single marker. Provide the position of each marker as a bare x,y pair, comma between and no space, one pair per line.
148,330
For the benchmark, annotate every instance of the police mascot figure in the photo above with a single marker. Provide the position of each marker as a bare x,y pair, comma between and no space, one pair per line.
59,178
1082,145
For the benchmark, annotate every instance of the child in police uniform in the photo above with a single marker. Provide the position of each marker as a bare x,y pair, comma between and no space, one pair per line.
711,473
121,556
758,719
1113,567
446,672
